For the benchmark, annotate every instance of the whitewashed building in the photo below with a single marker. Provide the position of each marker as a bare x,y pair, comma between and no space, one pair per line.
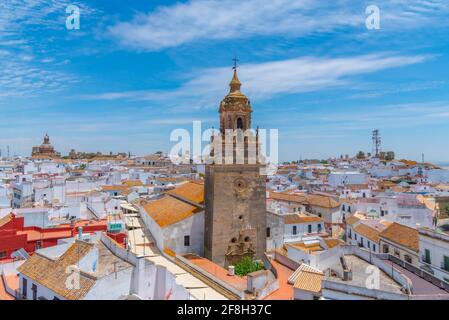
434,252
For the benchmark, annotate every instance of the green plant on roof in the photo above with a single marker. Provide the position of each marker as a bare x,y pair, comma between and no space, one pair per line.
247,265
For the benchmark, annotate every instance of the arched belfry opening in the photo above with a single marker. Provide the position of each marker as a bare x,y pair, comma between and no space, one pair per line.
240,123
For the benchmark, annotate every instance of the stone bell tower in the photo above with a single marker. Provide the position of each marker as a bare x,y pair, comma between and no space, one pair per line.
235,191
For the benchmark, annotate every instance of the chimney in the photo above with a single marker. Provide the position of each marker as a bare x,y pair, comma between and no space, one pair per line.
80,233
231,271
347,275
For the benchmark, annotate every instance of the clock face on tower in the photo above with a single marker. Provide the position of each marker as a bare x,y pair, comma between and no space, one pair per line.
240,185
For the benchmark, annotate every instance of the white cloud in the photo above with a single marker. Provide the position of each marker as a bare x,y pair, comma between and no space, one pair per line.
266,80
16,15
202,20
226,19
19,78
24,71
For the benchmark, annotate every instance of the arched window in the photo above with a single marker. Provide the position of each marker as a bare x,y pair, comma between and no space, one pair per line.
239,123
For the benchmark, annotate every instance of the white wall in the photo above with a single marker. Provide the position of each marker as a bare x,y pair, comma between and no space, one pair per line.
173,236
438,249
112,286
41,290
319,260
438,176
340,178
5,197
302,229
192,226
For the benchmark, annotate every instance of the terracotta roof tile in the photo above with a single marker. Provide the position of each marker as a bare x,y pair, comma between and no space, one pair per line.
402,235
332,243
300,218
52,273
190,191
367,231
169,210
114,188
352,220
133,183
306,199
307,278
6,219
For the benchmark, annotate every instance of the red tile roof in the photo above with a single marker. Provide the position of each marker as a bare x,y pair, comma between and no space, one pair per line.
169,210
402,235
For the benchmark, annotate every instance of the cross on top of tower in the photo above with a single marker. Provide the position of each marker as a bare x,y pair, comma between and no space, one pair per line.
235,62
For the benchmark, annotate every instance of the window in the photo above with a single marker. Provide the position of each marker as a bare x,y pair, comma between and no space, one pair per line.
319,227
397,253
343,207
369,244
186,241
239,123
407,258
355,236
362,242
24,287
268,232
374,247
427,258
38,245
295,231
34,290
386,248
309,228
350,234
446,263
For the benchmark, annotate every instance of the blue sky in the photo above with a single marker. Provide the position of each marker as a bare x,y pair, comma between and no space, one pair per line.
138,69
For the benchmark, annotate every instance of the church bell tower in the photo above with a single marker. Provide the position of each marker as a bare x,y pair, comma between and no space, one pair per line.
235,191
